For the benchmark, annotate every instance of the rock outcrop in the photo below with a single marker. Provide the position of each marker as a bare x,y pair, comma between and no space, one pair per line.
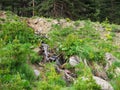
104,84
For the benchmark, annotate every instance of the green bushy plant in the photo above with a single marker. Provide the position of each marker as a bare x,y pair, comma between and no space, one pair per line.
16,38
106,46
85,83
13,82
73,45
13,59
51,80
85,80
17,30
57,35
26,72
35,58
115,83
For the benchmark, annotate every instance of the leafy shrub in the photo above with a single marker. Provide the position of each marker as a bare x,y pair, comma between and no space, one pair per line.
85,80
106,46
75,46
35,58
85,83
15,54
26,72
13,82
13,59
12,56
115,83
17,30
72,45
44,85
57,35
51,80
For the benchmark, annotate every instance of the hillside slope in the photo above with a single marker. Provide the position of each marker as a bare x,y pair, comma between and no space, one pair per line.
49,54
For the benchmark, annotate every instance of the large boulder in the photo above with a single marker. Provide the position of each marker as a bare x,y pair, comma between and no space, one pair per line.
103,84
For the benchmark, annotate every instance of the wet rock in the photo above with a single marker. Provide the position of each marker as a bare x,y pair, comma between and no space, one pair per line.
104,84
74,60
37,72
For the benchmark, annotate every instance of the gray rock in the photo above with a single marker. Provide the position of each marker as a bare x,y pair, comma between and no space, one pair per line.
109,57
74,60
46,52
104,84
37,72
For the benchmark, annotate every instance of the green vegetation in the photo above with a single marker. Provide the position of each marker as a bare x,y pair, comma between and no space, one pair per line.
85,79
51,80
16,39
17,56
85,42
21,32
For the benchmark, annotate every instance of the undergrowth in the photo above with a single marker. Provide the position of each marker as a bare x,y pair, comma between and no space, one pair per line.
16,39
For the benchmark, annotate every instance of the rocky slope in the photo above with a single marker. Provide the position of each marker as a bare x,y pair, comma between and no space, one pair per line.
45,25
84,54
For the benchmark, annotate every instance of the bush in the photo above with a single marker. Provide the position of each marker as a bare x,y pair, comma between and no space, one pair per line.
26,72
51,80
115,83
13,60
85,83
13,82
85,80
14,54
58,34
19,31
35,58
73,45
